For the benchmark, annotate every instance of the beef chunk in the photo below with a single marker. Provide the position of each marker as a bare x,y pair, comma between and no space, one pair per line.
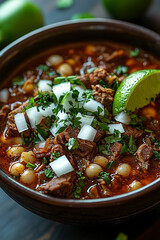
144,153
99,135
103,95
94,77
60,186
70,133
132,131
153,125
11,126
115,149
3,114
44,149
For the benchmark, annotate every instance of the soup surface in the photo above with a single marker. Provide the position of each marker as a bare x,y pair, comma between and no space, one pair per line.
57,132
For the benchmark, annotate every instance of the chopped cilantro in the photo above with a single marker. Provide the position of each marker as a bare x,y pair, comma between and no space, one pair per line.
30,165
80,184
105,177
43,67
104,84
124,149
132,146
135,52
109,165
56,155
31,104
61,4
87,95
72,144
49,173
156,155
116,137
45,161
45,99
105,149
41,131
18,81
148,131
137,121
71,79
115,85
121,70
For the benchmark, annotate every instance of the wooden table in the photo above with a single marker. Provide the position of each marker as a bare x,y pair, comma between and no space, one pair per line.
16,223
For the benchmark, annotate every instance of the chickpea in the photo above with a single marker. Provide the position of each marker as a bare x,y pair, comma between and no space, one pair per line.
27,177
65,69
16,169
55,60
100,160
90,49
71,61
149,112
124,169
15,152
135,185
28,157
93,170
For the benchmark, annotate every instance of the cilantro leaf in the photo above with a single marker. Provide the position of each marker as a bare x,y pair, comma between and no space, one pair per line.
116,137
18,81
109,165
41,131
132,146
49,173
56,155
30,165
105,177
72,144
80,184
135,52
121,70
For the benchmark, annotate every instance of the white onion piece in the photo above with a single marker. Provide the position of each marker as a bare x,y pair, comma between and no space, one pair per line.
44,86
123,118
81,90
4,94
40,137
61,89
20,122
66,104
117,126
93,105
61,166
48,111
34,116
85,119
87,133
62,115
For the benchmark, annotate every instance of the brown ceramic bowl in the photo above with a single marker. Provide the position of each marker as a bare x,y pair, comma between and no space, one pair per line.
96,211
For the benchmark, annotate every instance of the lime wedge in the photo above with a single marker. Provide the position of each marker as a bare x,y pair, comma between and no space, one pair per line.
137,90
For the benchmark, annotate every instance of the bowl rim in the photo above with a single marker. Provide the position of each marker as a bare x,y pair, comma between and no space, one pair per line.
86,203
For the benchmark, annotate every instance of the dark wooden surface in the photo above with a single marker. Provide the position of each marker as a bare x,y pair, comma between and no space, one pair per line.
16,223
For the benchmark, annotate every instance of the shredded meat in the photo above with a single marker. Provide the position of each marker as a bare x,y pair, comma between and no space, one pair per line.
94,77
103,95
44,149
115,150
3,114
11,126
61,186
115,55
132,131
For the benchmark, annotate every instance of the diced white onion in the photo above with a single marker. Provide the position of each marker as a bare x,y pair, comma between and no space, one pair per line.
62,115
61,89
48,111
85,119
117,126
20,122
40,137
44,86
87,133
93,105
34,116
4,94
123,118
66,104
80,89
61,166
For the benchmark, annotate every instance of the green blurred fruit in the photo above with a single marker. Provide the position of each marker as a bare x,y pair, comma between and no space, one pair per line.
126,9
18,17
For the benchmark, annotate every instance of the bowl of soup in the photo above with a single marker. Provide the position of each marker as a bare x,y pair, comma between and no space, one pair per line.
63,153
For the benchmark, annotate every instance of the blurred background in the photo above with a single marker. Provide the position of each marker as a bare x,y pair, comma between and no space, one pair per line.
16,222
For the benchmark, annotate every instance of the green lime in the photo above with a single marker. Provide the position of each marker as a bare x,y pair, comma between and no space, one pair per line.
126,9
18,17
137,90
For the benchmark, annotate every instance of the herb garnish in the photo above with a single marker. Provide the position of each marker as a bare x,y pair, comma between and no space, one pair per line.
132,146
72,144
109,165
56,155
79,185
49,173
135,52
105,177
18,81
30,165
121,70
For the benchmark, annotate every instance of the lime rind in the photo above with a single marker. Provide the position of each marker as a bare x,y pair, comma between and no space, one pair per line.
136,90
